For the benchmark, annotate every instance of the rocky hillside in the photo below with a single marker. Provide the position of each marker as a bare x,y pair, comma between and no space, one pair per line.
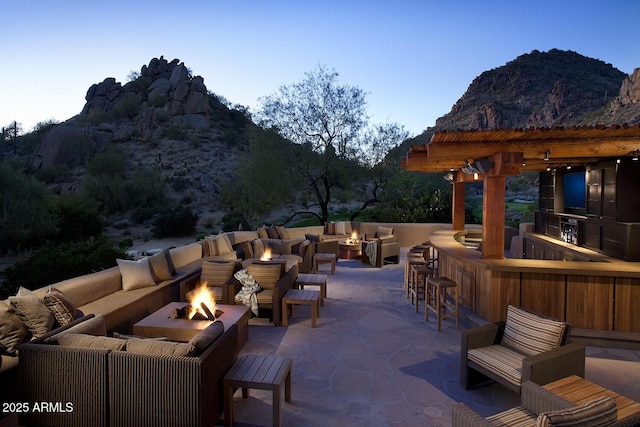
165,119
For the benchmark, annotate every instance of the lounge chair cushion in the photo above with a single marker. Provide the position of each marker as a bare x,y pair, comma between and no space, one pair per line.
499,359
597,413
530,334
266,275
384,231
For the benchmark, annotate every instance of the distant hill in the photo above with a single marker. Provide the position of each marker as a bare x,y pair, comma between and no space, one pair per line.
542,89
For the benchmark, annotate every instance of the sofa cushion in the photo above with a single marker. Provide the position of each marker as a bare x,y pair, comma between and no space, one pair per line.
135,274
530,334
159,348
283,233
224,244
597,413
210,246
266,275
278,246
341,228
384,231
262,232
272,232
501,360
12,330
91,341
159,264
206,337
215,274
36,316
63,310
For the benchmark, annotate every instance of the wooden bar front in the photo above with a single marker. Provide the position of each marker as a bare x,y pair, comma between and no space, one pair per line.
597,296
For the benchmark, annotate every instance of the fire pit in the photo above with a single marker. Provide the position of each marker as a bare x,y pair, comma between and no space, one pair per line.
202,306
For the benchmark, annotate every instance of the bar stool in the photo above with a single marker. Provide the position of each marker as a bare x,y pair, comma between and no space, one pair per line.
436,301
412,259
420,273
407,268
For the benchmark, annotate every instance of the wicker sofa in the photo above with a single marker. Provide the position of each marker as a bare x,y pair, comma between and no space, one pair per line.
526,347
133,382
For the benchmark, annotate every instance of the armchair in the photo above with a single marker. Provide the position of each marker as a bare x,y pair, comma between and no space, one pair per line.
527,347
275,281
387,248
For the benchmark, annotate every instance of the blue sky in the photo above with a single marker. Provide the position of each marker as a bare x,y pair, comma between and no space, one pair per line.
415,59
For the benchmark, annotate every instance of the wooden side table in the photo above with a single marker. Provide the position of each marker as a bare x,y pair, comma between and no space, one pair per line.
319,280
260,372
300,296
321,257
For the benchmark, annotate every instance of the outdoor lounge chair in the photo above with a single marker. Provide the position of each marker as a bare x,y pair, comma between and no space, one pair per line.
527,347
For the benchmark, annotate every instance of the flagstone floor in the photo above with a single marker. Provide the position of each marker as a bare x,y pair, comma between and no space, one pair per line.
373,361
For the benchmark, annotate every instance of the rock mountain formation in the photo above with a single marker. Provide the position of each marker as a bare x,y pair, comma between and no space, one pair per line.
167,119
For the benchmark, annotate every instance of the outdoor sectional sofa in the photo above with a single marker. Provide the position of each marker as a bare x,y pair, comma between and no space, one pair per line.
132,382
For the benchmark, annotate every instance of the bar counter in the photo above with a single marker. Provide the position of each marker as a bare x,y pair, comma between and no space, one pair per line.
600,298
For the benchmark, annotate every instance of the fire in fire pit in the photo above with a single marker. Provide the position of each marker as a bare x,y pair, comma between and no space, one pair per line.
202,306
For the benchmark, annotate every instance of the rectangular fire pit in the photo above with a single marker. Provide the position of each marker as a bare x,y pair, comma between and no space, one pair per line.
160,324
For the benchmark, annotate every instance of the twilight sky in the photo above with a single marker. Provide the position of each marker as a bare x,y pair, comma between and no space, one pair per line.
415,59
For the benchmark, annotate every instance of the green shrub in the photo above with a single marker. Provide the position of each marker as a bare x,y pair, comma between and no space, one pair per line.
235,221
177,222
78,219
55,262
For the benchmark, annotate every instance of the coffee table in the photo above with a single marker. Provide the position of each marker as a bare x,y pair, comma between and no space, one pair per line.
158,324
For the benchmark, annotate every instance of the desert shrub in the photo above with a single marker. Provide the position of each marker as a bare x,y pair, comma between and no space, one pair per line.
78,219
55,262
176,132
179,221
158,100
127,107
54,174
235,221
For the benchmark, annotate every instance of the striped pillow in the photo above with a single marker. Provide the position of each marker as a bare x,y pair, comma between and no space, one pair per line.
215,274
597,413
530,334
266,275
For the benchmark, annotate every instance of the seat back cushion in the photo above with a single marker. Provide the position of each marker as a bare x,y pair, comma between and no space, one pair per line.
215,274
266,275
530,334
597,413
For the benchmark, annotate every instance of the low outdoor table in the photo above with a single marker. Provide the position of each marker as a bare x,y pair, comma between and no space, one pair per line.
259,372
321,257
300,296
320,280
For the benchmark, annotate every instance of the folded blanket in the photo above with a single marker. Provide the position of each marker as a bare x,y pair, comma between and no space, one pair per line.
247,295
371,250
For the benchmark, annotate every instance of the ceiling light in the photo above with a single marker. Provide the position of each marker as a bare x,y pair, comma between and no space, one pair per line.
546,155
548,168
450,177
635,155
569,167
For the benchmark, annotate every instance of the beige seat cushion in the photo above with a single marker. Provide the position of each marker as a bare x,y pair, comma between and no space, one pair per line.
515,417
501,360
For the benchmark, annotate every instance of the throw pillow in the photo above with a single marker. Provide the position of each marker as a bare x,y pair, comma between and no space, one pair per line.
330,228
12,330
215,274
266,275
597,413
211,246
224,244
36,316
160,269
63,310
135,274
341,227
258,248
303,248
273,233
283,232
530,334
262,232
206,337
282,247
384,231
311,237
91,341
172,268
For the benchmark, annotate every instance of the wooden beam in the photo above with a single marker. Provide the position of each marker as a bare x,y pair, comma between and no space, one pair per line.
493,204
457,205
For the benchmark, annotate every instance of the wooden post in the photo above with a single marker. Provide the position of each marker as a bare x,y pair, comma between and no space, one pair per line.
493,204
457,207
